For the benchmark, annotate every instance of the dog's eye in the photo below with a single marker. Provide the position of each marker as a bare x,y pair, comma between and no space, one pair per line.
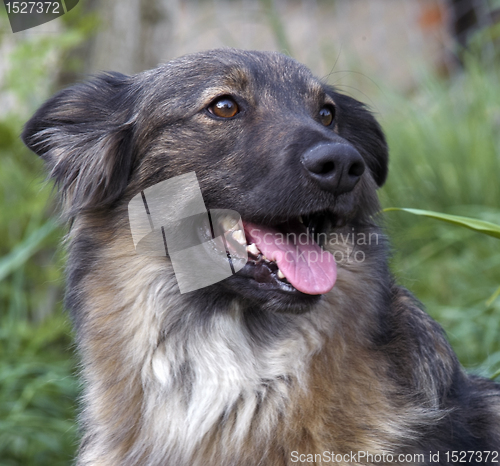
326,115
224,107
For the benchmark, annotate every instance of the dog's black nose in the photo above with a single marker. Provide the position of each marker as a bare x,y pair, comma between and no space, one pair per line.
336,167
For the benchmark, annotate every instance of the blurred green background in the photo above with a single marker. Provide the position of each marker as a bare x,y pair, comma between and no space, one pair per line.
436,91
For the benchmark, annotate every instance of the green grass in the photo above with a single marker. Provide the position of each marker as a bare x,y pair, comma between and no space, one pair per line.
38,387
445,157
37,393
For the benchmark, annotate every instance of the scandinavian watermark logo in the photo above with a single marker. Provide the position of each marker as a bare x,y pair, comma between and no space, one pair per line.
204,246
29,14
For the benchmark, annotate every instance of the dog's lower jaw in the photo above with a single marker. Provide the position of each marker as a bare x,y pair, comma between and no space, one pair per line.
249,297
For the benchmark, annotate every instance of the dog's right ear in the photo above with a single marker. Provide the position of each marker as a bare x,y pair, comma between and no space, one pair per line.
359,127
85,135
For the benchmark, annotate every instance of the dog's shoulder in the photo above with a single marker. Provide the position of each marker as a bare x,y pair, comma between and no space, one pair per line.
424,364
414,343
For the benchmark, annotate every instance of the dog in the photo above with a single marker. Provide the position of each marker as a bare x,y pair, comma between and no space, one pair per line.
280,363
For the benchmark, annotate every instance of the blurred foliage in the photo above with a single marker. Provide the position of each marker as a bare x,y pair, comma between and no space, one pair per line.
37,393
445,157
38,387
444,141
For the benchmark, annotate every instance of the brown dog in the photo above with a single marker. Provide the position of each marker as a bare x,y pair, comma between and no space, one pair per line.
284,362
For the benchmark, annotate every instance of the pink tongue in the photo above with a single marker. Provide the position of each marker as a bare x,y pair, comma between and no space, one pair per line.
306,266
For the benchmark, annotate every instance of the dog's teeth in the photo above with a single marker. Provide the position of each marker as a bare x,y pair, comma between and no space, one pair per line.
227,223
239,236
301,220
281,275
252,249
264,258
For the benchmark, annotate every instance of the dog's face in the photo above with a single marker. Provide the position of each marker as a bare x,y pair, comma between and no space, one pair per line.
263,135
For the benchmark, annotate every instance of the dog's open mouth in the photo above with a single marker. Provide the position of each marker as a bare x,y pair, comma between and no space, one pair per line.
285,257
288,257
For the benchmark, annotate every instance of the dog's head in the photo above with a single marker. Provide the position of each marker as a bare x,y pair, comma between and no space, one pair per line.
263,135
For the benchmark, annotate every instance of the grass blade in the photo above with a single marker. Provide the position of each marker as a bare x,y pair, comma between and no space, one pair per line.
24,250
480,226
495,375
492,298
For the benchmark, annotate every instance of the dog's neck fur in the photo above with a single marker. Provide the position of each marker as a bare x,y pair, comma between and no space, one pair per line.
191,389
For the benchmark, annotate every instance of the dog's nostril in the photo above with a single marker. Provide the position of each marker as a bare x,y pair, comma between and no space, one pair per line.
328,167
357,169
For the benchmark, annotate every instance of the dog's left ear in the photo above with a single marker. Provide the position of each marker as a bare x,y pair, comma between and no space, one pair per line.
357,125
84,134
